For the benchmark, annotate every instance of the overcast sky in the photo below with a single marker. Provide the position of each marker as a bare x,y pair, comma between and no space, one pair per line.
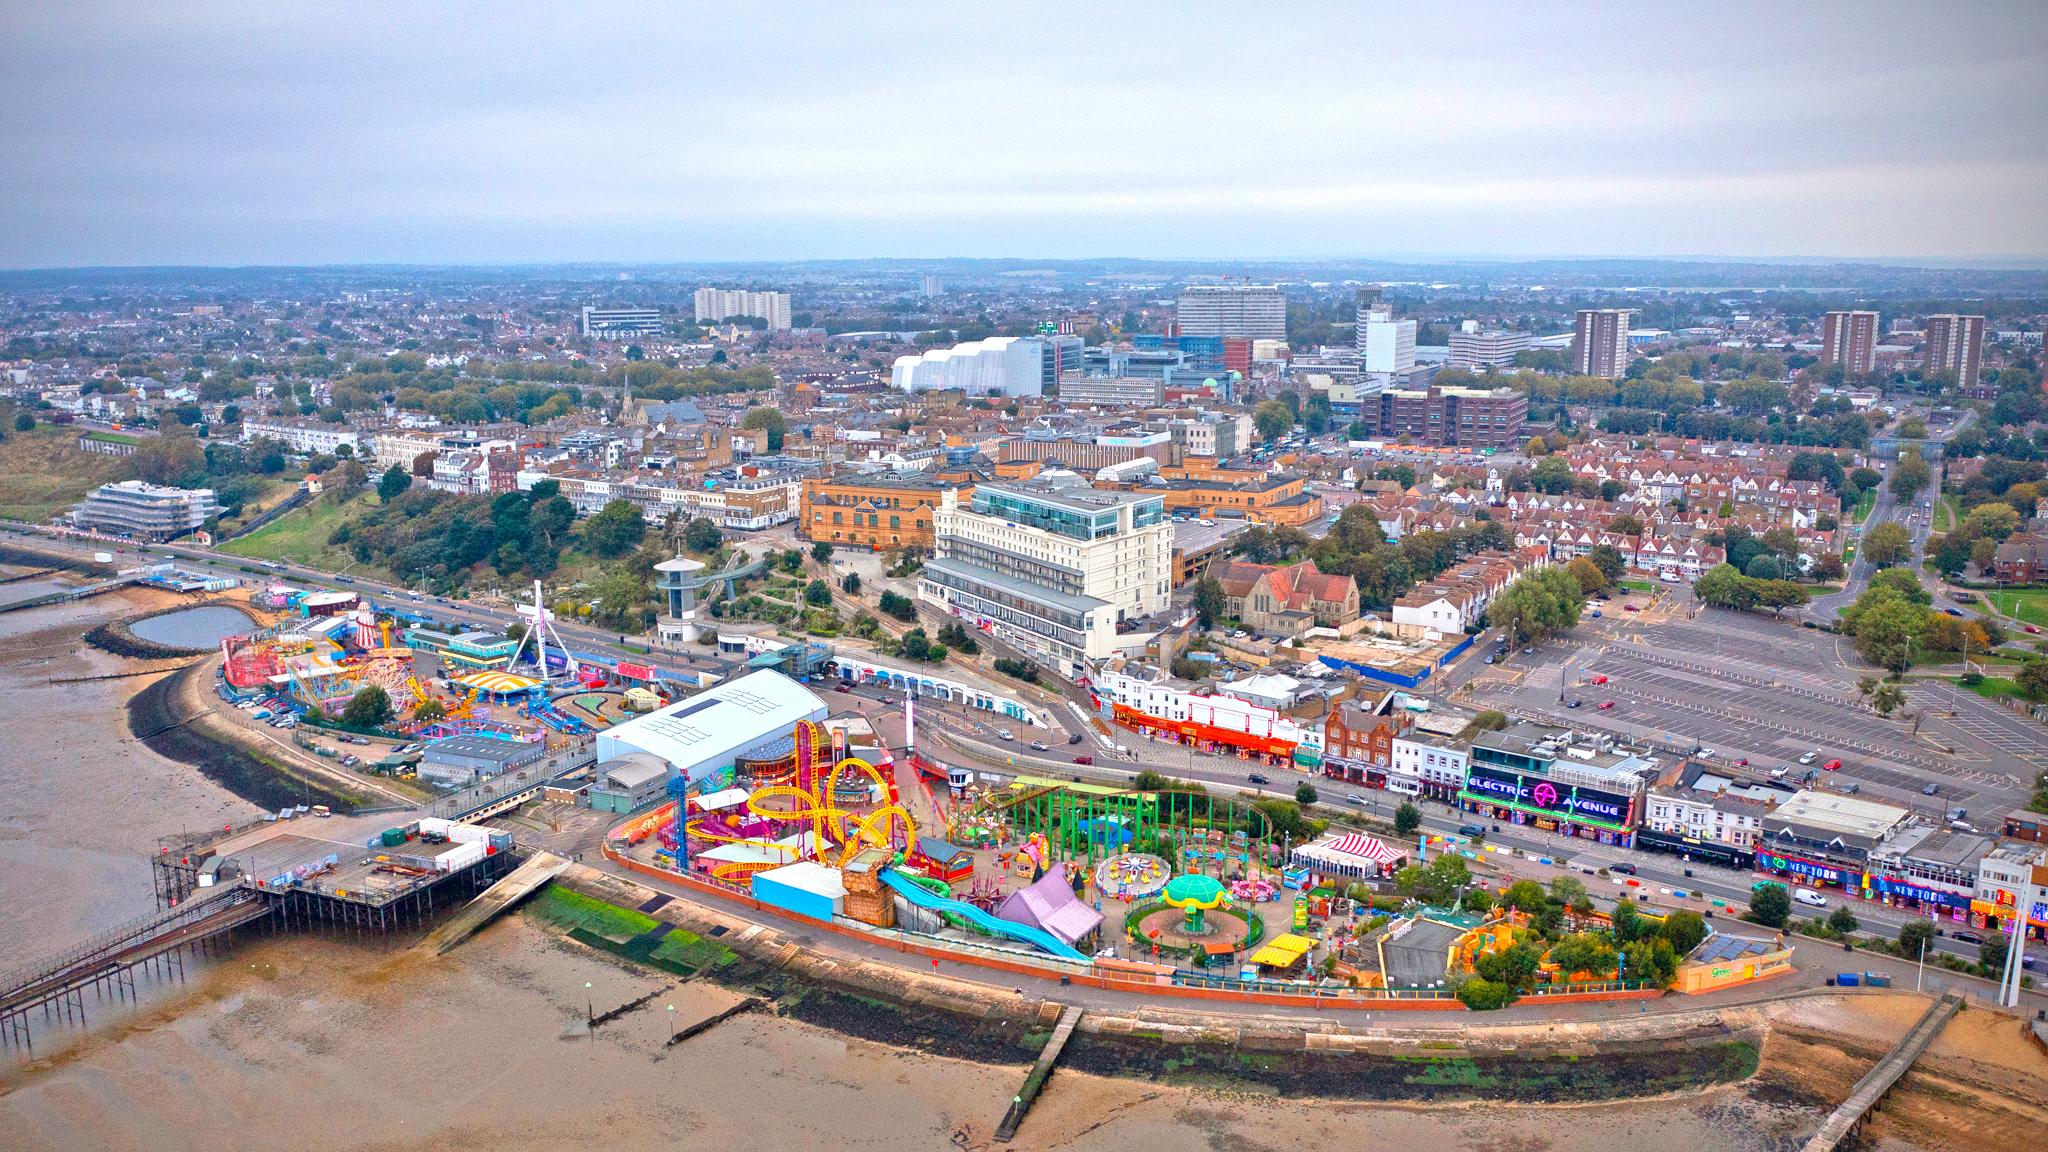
221,133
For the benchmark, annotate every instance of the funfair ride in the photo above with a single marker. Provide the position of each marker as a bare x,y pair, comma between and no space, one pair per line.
540,628
817,790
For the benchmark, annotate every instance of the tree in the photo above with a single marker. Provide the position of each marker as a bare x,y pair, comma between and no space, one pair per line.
1914,935
899,606
767,420
1524,896
850,584
1608,559
1995,520
24,422
1537,604
1552,476
616,530
1909,476
1482,995
702,536
1887,544
1685,929
1770,904
1587,952
1272,419
428,710
822,552
1863,480
1305,794
818,593
1588,575
174,458
1626,524
1886,698
1842,920
1317,415
1210,602
918,646
392,484
1490,720
2032,680
1407,818
370,707
1884,624
1829,567
1991,953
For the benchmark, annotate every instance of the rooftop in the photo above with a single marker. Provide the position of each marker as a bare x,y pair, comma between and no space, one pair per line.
1842,815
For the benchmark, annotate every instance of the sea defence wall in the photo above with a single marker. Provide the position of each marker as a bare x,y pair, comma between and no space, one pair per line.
1726,1039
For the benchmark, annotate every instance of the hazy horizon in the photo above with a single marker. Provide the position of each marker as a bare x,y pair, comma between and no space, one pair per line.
221,136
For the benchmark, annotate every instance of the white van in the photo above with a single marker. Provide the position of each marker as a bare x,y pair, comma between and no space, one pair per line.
1810,898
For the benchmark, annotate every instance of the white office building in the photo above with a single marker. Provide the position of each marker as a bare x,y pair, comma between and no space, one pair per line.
997,366
1247,311
1050,565
142,511
613,323
714,304
1385,345
310,439
1486,351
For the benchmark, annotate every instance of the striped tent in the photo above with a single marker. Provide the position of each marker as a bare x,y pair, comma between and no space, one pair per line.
1351,854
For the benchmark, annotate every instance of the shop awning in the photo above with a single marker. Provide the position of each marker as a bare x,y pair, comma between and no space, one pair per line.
1283,951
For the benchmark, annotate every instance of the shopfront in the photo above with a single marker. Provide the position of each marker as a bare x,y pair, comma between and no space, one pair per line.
1998,915
1897,892
1271,750
1807,872
1692,848
1549,806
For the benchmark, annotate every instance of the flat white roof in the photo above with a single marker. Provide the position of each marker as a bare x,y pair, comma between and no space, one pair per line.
808,875
706,731
1840,814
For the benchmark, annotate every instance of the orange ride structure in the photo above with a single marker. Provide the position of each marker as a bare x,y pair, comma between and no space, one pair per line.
844,806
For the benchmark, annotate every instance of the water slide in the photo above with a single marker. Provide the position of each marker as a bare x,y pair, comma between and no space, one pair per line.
923,897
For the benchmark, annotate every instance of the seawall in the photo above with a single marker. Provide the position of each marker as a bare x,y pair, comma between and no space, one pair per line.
1338,1055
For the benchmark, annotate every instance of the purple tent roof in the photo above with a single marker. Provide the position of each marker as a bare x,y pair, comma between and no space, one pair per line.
1051,904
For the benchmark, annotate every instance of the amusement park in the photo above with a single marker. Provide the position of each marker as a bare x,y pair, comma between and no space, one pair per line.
1158,886
319,654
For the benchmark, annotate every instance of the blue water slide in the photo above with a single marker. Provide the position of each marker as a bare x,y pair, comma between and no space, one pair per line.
923,897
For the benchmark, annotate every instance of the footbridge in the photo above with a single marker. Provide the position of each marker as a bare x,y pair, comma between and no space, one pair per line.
1847,1120
105,964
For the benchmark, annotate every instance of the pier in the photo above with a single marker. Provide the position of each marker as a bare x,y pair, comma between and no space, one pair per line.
516,886
1847,1119
1041,1071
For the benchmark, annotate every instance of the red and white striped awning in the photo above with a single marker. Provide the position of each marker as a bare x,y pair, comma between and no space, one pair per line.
1363,846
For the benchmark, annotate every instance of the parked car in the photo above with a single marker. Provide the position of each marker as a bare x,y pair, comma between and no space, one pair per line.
1573,703
1931,790
1599,680
1630,608
1606,704
1075,738
1596,614
1471,830
841,688
1809,758
1833,765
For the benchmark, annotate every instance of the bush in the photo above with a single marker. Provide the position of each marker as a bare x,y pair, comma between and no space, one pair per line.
1023,670
1769,905
1842,920
1482,995
899,606
1305,794
1407,818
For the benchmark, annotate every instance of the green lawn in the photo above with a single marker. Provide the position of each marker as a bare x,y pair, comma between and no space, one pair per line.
300,536
1994,687
1639,585
43,473
1946,514
1864,504
2028,605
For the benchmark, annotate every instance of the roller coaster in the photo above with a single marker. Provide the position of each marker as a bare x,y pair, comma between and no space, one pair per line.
815,794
